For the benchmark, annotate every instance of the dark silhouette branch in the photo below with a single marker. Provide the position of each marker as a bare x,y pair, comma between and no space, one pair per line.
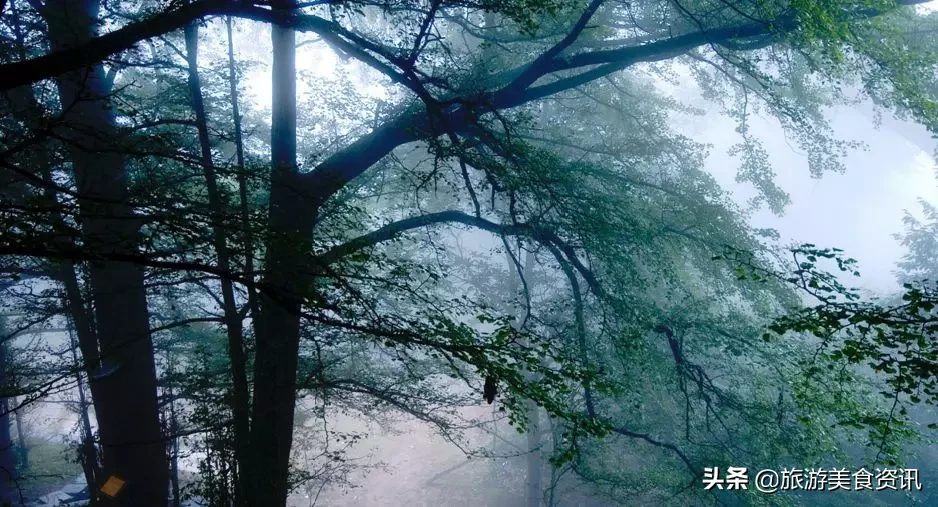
101,47
533,231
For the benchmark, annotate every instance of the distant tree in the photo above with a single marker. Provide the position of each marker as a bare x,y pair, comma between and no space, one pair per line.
920,238
9,475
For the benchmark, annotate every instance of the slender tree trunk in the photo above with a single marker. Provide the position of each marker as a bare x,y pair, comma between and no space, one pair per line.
245,208
218,208
126,395
88,451
533,462
8,469
534,494
554,478
22,448
174,452
290,228
82,334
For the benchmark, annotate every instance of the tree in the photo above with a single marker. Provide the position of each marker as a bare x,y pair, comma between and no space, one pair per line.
7,452
126,377
326,269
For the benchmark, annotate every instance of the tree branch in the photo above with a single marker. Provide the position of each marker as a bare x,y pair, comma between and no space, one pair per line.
99,48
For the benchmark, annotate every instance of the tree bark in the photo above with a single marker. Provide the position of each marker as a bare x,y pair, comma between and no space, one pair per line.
126,395
290,228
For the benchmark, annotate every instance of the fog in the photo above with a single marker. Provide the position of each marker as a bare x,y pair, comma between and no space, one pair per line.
467,254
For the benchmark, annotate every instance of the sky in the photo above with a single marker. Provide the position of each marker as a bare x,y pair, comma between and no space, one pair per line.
858,211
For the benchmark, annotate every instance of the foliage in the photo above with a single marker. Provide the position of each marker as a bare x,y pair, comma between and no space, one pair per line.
535,129
892,341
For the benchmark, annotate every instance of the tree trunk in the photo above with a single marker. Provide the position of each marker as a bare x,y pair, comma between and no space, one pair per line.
176,500
27,108
87,451
535,490
78,320
534,494
22,449
125,395
245,213
290,228
233,322
8,471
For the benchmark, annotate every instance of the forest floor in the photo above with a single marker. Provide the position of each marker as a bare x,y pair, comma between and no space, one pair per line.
413,466
52,467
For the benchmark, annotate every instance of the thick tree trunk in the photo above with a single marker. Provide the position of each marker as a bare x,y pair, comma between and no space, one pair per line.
28,109
233,322
290,227
125,396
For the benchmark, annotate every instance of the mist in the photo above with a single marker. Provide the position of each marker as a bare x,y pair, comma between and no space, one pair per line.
435,253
